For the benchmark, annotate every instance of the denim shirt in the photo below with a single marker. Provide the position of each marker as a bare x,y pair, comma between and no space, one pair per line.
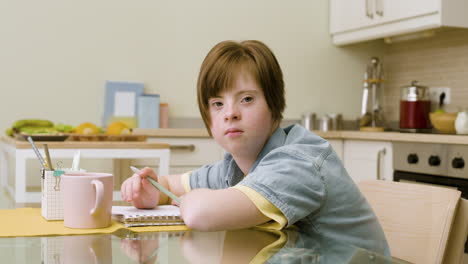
299,173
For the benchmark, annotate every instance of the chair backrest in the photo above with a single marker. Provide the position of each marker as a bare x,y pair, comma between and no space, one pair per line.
416,218
455,251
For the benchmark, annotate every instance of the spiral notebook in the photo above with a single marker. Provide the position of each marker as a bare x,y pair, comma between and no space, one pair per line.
161,215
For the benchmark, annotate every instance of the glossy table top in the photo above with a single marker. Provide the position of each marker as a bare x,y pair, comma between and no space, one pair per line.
240,246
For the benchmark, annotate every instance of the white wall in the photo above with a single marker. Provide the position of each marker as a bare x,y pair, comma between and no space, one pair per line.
56,55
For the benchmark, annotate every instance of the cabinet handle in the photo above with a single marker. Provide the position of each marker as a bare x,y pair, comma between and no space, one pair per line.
380,154
190,147
379,7
369,7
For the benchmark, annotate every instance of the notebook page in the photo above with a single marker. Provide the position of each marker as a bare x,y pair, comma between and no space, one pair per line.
133,212
161,215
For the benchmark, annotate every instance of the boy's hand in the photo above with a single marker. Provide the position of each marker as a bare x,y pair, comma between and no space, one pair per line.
139,191
173,202
142,251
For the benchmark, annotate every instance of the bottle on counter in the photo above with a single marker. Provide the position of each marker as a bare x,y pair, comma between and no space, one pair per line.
308,120
325,123
415,106
372,117
336,121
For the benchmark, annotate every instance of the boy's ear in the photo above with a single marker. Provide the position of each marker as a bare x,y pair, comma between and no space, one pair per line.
276,123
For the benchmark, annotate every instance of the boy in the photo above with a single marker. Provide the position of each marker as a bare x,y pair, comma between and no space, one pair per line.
270,176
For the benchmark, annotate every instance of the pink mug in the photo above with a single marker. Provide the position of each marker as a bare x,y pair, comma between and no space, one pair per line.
87,199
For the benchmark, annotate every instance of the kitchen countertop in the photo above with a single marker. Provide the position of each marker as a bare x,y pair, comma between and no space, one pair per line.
87,144
345,134
172,132
396,137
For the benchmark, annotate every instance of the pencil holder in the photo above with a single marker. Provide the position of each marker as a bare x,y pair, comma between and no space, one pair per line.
52,197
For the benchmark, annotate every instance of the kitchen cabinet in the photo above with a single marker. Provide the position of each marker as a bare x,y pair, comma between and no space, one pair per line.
354,21
337,145
186,153
368,159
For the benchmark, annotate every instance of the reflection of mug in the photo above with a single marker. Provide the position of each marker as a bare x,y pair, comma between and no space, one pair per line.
87,199
87,249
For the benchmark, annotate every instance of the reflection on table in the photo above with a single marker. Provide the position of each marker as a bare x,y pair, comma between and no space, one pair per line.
240,246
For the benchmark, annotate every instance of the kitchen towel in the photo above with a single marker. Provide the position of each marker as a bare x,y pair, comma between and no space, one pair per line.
26,222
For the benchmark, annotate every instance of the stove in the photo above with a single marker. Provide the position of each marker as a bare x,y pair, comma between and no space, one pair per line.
437,164
443,160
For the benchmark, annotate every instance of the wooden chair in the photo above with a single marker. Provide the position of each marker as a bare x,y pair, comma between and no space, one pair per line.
417,220
456,244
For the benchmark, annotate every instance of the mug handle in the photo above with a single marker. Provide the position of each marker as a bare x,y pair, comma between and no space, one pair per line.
99,195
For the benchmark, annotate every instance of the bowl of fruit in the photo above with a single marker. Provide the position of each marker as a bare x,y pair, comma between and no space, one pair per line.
444,122
39,130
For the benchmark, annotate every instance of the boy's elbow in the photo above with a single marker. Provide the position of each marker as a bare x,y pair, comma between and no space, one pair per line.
194,219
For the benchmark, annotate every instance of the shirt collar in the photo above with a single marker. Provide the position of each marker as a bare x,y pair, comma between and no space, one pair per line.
276,140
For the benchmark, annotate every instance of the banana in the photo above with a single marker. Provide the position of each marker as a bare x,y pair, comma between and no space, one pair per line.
10,132
32,123
38,130
63,128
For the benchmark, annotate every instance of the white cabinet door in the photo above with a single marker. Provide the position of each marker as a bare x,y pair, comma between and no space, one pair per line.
354,14
368,159
347,15
337,145
187,153
352,21
392,10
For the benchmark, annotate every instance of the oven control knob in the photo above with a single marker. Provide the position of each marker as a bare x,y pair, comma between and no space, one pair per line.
458,163
434,160
412,159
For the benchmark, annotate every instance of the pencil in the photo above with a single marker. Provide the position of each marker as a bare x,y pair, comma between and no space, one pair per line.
38,154
49,161
159,186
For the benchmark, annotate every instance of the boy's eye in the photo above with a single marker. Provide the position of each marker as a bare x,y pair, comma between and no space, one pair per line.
247,99
216,104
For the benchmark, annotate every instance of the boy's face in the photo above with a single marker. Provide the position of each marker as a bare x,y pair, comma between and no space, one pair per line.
241,121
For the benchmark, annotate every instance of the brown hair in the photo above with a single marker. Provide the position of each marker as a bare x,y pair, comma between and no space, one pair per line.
226,60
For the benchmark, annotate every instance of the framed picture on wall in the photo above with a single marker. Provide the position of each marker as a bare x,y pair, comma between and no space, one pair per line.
121,99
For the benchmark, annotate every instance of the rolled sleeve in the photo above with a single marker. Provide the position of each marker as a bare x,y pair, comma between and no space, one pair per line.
266,207
291,182
209,176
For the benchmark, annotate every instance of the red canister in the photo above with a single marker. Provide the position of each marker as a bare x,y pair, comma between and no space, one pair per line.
414,108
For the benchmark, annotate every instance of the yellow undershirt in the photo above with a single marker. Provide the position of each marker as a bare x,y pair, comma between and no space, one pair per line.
185,180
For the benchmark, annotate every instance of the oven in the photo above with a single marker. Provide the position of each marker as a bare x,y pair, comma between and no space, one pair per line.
434,164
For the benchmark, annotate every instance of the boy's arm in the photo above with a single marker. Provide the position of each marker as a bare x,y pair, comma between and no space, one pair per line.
224,209
174,184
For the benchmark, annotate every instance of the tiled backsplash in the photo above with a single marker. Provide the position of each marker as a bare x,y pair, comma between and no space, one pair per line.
439,61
